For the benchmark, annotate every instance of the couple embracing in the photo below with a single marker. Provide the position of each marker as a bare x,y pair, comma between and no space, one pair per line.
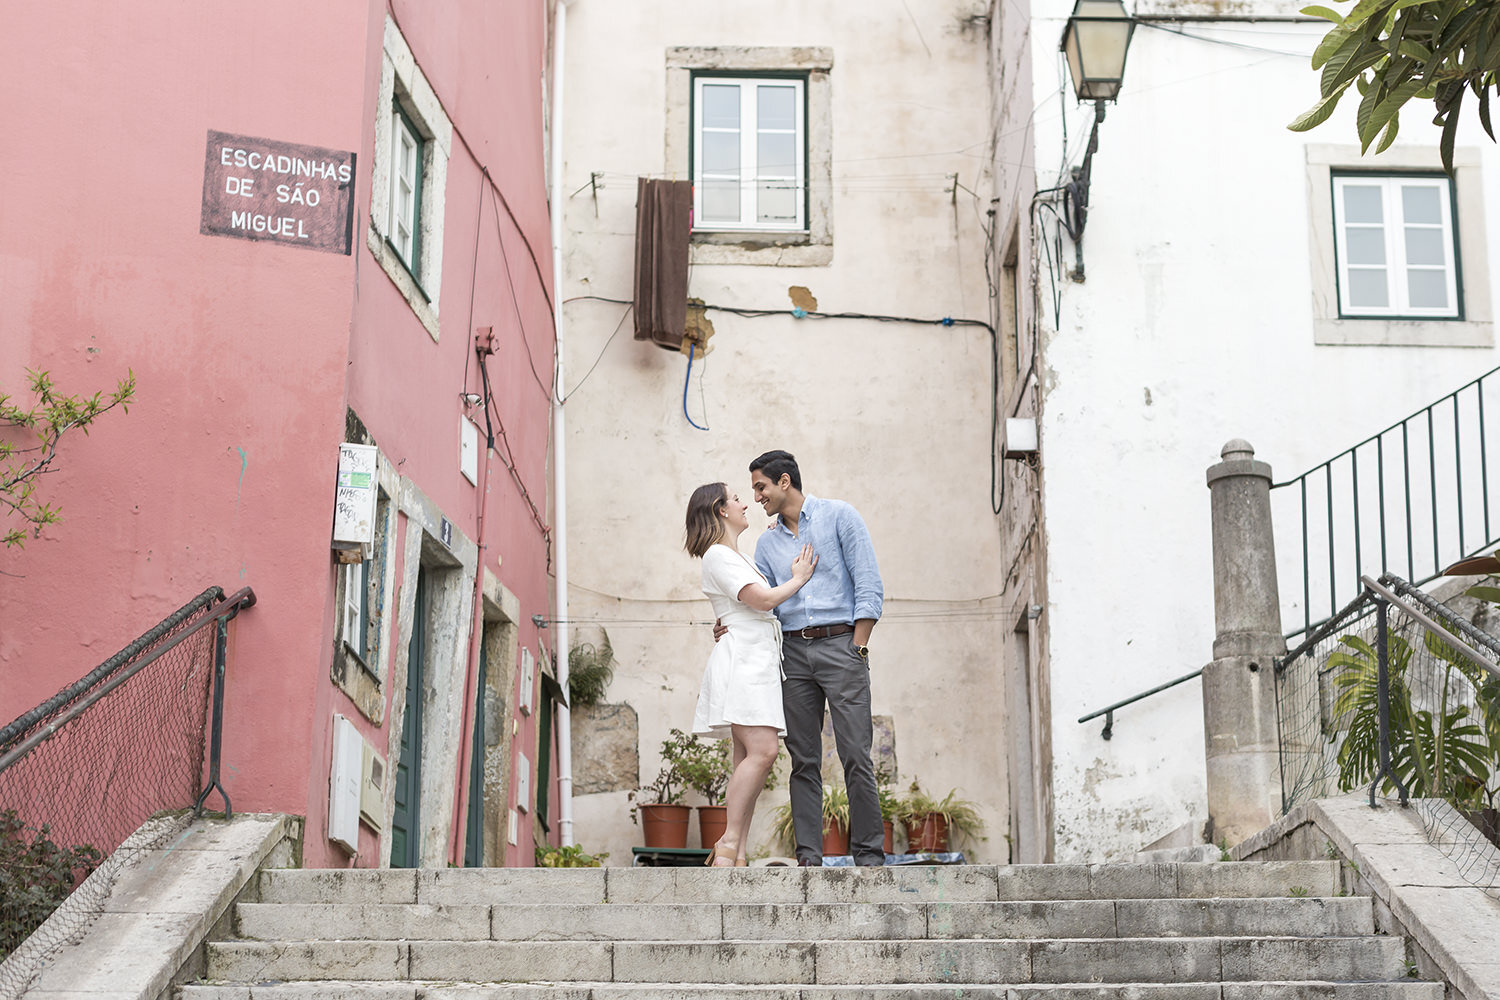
792,636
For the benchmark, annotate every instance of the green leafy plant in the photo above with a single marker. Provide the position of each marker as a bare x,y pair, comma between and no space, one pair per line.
960,815
705,767
835,811
590,669
43,420
36,875
1396,51
669,784
890,803
570,856
1297,891
1437,752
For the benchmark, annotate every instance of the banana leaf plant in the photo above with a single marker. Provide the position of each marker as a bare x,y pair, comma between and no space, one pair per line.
1436,751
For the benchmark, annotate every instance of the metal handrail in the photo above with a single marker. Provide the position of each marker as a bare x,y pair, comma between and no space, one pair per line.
1420,427
1109,713
72,701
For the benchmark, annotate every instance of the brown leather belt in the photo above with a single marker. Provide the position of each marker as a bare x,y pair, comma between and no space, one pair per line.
818,631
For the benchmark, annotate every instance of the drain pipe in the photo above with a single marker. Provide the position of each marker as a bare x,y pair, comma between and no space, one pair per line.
560,444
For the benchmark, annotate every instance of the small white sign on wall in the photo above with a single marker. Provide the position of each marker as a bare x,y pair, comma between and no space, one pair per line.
528,680
354,498
523,783
468,449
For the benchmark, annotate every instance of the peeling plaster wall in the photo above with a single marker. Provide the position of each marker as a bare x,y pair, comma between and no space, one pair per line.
890,417
1194,326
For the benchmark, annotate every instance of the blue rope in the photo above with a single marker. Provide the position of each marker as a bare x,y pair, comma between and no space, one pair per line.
691,348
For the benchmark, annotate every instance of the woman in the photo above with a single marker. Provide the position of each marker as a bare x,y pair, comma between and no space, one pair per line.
741,694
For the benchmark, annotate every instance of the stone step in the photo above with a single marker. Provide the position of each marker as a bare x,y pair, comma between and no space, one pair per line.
1118,960
957,883
1102,918
1406,989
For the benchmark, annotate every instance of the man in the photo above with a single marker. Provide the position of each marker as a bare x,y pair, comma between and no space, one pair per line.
826,633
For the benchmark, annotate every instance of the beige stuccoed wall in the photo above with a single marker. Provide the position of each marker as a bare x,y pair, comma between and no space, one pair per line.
893,417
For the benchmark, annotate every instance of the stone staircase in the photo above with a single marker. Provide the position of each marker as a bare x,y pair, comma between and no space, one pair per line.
1224,931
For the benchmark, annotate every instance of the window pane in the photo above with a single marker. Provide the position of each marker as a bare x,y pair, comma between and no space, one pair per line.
721,105
721,201
1362,204
1367,289
777,201
1427,289
721,152
1421,204
1366,246
1424,246
776,106
776,154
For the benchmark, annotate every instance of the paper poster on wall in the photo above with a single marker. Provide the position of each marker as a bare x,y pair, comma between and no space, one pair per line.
354,498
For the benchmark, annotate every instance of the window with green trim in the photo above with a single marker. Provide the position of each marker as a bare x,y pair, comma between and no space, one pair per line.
406,189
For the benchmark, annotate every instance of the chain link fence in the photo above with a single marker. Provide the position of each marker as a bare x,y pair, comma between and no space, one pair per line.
85,769
1400,693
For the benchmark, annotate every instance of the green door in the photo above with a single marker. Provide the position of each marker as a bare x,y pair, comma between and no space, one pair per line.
405,823
474,835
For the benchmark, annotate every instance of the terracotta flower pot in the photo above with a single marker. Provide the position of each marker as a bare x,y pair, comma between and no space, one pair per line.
665,825
835,839
712,821
889,846
929,834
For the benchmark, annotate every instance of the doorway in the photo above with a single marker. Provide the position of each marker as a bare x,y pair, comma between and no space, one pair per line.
406,819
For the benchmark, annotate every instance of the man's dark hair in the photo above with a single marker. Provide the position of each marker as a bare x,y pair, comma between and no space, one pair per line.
775,464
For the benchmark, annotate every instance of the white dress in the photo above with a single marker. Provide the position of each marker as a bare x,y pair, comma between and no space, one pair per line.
742,683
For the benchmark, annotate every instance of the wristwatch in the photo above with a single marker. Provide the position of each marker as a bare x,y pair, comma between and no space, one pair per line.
863,651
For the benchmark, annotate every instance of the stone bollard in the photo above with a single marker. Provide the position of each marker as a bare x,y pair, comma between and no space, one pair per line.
1239,686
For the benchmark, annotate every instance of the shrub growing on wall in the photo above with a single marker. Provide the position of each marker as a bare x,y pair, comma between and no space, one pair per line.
36,875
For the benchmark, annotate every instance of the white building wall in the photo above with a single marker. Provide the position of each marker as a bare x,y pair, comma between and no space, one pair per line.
1194,326
892,417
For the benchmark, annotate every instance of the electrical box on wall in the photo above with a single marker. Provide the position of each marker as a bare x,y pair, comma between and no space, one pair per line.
528,680
1020,438
372,789
344,781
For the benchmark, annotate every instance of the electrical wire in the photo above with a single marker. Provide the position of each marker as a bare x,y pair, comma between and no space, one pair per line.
691,348
549,391
629,307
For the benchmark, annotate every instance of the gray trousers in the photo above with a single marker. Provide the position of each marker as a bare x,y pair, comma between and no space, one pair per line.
829,671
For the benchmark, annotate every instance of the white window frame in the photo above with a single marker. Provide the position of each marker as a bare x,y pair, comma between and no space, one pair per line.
406,190
1394,227
752,174
1476,327
812,247
408,100
356,597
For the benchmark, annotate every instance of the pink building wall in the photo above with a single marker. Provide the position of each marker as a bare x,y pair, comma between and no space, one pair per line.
248,353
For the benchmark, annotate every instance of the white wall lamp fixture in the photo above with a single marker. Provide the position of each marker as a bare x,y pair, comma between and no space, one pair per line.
1095,42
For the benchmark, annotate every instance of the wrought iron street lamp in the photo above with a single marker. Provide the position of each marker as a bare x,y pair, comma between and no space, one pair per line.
1095,42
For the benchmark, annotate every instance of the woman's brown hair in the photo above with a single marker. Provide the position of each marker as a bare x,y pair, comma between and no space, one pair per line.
704,526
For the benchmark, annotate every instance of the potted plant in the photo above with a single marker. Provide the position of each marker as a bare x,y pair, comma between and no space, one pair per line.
705,767
835,823
658,806
930,822
890,807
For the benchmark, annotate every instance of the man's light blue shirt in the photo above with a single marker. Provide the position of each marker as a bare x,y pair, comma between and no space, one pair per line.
845,586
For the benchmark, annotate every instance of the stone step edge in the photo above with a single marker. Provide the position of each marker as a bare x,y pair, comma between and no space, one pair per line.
863,988
771,942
